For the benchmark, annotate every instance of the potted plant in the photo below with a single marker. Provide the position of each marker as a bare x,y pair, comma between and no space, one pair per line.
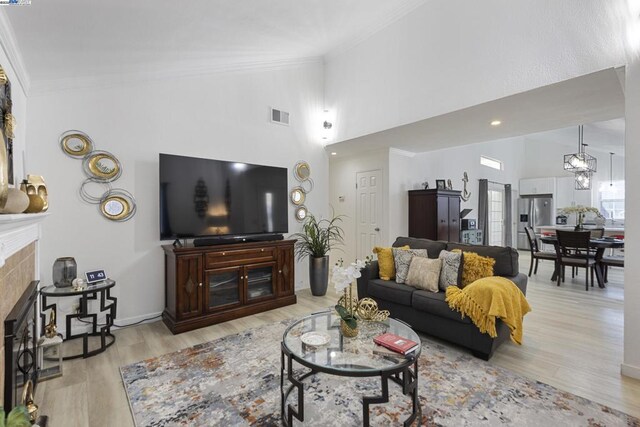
580,212
315,241
347,305
18,417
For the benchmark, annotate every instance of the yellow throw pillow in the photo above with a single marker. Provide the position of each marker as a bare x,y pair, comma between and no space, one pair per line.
475,267
386,264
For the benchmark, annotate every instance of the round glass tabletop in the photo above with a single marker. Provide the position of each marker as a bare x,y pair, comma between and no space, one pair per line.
358,356
52,291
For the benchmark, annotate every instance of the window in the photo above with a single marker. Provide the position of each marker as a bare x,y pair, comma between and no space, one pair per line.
496,217
491,163
611,200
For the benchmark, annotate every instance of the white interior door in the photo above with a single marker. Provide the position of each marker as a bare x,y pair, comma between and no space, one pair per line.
496,217
368,211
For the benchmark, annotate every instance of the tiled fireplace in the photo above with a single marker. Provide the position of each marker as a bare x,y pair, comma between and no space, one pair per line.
19,235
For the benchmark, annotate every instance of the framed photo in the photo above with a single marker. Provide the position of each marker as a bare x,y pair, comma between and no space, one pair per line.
441,184
95,276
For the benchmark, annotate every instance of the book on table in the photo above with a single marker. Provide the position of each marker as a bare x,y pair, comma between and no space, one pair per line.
396,343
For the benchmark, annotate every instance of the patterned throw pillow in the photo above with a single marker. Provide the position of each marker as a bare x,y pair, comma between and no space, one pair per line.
452,269
402,258
475,267
424,273
386,265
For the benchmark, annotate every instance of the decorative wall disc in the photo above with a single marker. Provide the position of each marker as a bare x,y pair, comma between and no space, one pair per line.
118,205
76,144
86,193
297,196
302,171
301,213
307,185
102,165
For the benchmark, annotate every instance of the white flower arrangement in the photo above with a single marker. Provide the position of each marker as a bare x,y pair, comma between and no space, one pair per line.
343,276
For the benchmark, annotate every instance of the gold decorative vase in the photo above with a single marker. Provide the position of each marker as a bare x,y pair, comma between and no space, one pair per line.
347,331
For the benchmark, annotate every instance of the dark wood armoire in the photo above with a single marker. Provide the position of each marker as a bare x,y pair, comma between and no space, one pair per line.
434,214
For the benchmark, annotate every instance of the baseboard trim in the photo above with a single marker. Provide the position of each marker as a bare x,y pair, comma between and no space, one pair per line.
125,322
630,371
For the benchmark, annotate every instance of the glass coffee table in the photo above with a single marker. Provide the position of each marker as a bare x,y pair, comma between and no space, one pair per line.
347,357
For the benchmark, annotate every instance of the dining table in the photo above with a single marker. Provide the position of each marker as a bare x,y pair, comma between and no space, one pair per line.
599,244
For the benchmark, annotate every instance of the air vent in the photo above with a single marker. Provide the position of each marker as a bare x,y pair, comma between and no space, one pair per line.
280,117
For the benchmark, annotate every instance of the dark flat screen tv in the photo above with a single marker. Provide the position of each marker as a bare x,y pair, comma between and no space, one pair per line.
204,197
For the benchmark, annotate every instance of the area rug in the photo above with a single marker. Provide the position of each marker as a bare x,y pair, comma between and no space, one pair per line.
235,381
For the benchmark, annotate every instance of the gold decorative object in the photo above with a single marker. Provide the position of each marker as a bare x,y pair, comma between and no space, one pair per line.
368,310
347,331
17,201
302,171
10,125
34,185
3,77
36,204
102,165
4,173
51,329
76,144
297,196
27,401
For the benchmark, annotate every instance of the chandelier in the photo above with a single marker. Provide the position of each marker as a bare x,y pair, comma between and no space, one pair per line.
583,165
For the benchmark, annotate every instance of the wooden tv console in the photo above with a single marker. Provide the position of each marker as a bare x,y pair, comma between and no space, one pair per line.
212,284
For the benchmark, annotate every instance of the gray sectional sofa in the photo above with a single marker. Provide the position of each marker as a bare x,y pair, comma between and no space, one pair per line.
428,312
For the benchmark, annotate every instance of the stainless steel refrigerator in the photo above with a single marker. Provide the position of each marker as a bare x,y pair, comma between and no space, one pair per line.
533,211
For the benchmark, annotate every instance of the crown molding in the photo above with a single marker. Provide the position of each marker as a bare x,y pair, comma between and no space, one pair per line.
167,73
376,27
10,46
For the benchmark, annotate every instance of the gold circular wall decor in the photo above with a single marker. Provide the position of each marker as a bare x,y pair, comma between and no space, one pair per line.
301,213
297,196
102,165
302,171
118,205
76,144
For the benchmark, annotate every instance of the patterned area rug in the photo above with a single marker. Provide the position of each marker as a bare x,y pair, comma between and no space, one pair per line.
235,381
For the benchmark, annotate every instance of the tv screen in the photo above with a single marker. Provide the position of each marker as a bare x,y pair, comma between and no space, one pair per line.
203,197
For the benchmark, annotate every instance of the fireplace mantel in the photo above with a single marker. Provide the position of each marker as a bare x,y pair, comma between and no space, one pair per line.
17,231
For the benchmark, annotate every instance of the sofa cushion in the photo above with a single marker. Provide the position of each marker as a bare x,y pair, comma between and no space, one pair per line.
391,291
424,273
434,303
433,247
402,259
385,262
506,257
452,268
475,267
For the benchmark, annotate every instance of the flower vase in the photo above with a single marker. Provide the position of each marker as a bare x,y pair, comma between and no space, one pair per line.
347,331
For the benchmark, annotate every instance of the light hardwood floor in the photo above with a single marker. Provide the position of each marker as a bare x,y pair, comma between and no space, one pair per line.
573,341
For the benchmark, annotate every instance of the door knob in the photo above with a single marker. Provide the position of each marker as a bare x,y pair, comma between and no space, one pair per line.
377,228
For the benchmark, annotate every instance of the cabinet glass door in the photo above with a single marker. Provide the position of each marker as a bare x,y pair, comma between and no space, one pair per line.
223,287
260,281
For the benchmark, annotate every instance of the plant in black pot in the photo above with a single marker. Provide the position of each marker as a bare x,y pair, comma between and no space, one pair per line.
315,241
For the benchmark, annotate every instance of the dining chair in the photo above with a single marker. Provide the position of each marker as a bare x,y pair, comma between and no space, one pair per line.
573,250
536,253
611,261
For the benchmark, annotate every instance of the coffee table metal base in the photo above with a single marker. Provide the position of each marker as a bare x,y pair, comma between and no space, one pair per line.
406,376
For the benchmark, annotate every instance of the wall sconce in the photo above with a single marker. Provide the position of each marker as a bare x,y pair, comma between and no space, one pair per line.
327,125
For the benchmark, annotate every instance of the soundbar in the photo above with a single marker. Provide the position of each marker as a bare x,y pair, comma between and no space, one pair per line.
225,240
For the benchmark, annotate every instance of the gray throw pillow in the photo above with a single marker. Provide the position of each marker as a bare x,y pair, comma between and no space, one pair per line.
451,271
402,260
424,273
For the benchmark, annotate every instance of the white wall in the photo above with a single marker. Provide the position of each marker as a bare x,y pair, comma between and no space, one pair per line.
342,183
400,182
447,55
631,363
221,116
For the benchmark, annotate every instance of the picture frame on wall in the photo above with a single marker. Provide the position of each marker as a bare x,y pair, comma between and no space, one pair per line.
441,184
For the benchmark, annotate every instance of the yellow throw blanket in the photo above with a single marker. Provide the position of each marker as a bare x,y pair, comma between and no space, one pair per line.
487,299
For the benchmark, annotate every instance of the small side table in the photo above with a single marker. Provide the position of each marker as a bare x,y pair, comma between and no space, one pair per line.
108,304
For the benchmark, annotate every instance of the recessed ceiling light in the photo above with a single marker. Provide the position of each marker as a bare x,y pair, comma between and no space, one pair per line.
334,153
496,123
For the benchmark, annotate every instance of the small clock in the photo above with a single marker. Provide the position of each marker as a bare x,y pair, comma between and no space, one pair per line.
95,276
